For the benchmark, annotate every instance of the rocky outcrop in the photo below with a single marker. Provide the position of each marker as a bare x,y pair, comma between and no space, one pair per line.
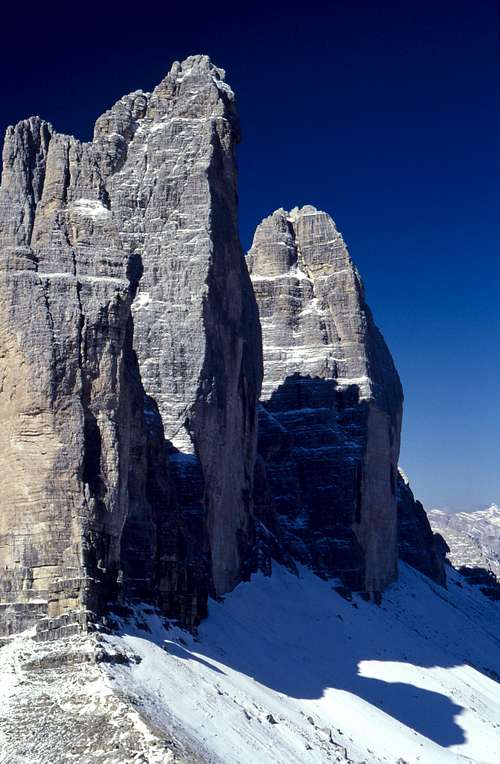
418,545
485,579
94,391
330,412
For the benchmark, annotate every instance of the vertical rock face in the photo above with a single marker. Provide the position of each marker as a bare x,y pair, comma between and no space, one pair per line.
145,211
196,333
331,402
65,400
418,545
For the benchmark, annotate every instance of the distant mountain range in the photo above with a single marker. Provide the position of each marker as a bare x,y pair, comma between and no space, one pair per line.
473,537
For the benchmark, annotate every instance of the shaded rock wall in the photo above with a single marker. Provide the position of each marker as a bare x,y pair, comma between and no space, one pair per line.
418,545
331,402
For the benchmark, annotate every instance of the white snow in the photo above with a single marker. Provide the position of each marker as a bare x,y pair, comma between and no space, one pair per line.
91,208
68,713
83,277
143,300
157,126
345,381
405,680
404,476
224,87
294,273
313,308
284,671
490,515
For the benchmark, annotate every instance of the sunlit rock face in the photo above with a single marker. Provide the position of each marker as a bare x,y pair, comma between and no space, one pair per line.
196,330
331,403
128,329
66,398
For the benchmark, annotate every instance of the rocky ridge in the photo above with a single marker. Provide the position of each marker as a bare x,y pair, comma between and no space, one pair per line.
282,671
196,332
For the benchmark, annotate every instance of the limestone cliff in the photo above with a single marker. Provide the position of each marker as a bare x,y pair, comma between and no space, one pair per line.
65,398
197,336
147,211
331,403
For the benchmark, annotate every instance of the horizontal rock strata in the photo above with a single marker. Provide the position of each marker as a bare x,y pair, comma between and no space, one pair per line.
331,403
131,367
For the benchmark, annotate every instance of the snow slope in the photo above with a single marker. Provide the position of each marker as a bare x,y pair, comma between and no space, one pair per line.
284,671
407,680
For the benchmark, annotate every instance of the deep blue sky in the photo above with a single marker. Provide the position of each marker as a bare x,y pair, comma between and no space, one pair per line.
385,114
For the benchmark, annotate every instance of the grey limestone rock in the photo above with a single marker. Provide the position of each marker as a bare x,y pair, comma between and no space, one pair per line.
196,331
128,328
331,403
64,399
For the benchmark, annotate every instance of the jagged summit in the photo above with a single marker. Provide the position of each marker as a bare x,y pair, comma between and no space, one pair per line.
192,72
197,64
276,249
308,209
304,245
192,89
